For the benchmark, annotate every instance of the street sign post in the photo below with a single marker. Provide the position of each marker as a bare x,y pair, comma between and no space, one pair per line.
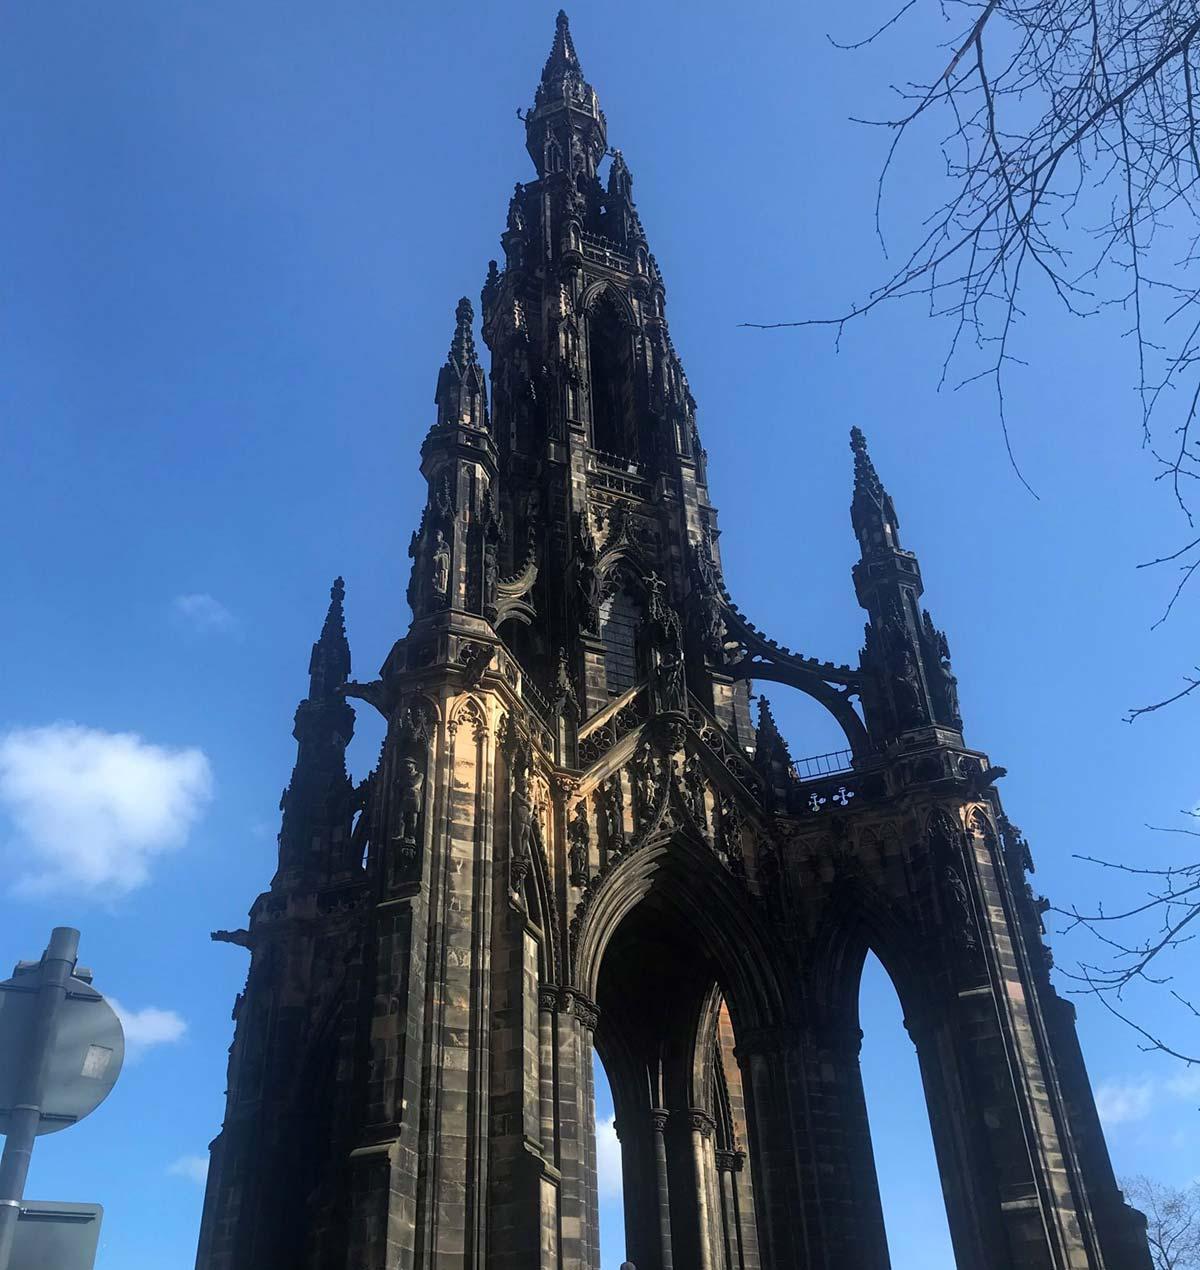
56,1236
61,1049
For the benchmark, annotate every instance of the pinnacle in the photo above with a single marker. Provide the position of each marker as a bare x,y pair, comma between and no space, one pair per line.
770,740
864,469
562,51
462,346
330,662
766,717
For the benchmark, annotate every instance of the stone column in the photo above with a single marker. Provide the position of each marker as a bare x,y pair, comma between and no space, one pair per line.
702,1128
777,1143
588,1017
659,1118
975,1229
547,1001
729,1164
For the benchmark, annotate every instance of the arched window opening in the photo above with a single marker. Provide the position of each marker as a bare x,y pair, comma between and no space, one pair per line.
910,1185
620,618
609,1182
520,640
610,357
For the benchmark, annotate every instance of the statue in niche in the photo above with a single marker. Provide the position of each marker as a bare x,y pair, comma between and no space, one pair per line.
729,845
526,826
587,581
646,776
901,666
490,577
693,791
409,791
960,903
612,811
671,690
949,687
410,787
579,836
516,217
441,566
708,622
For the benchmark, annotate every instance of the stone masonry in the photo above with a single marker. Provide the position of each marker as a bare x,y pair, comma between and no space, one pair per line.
577,838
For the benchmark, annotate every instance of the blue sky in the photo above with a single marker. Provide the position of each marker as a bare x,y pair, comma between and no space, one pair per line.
231,241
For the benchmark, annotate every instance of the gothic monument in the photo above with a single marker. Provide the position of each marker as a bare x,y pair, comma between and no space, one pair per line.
576,836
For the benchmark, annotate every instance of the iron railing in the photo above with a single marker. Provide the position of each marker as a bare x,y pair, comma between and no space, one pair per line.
807,769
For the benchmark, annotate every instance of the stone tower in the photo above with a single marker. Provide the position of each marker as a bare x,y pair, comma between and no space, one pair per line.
576,836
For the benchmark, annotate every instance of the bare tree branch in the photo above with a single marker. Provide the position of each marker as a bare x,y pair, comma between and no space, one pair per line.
1068,129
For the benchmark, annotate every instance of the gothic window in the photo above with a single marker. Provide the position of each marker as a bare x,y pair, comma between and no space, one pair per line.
610,357
620,616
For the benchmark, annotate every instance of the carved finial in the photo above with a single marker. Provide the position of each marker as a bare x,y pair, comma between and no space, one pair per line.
329,665
864,469
562,51
462,347
872,511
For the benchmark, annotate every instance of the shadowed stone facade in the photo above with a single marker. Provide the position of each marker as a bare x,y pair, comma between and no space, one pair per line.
576,837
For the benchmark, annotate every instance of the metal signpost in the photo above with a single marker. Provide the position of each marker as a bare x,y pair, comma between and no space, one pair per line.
61,1049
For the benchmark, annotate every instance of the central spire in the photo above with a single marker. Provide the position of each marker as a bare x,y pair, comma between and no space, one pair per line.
565,112
563,58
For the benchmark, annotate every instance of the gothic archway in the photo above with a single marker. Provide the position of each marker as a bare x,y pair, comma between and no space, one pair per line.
666,943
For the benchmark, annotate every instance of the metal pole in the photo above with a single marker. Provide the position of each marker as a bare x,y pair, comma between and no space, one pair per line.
58,961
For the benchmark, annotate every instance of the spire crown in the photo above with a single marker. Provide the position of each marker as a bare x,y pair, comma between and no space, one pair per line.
461,394
462,346
864,470
871,511
563,57
329,665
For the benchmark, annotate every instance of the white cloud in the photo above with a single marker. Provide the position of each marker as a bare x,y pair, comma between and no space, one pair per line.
91,809
1120,1101
193,1167
148,1027
608,1158
1186,1084
203,613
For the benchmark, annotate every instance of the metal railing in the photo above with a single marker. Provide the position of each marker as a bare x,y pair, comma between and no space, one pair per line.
807,769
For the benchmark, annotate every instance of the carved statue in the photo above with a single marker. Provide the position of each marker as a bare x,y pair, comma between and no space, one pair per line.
693,791
516,217
579,836
410,787
672,694
490,576
441,565
948,683
960,901
587,581
707,620
729,845
526,825
612,811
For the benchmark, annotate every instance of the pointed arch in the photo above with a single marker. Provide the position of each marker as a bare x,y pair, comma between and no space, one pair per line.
469,710
684,875
610,328
603,289
860,919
